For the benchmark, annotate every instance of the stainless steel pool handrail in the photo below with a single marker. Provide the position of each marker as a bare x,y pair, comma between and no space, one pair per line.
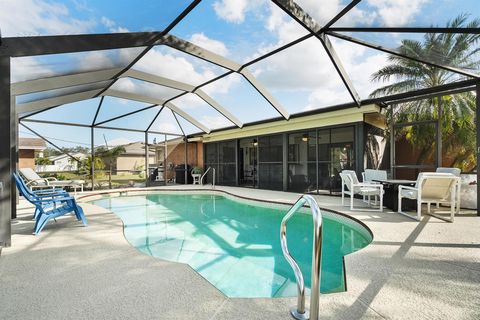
205,173
300,312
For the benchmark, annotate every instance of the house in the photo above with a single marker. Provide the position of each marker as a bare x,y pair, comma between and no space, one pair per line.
133,159
28,150
61,163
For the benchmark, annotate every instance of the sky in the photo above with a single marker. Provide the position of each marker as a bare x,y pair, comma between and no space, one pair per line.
301,78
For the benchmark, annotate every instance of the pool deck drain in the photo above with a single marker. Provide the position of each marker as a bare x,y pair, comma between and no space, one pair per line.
412,270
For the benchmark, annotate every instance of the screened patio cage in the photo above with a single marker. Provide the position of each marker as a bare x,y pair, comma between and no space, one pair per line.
130,81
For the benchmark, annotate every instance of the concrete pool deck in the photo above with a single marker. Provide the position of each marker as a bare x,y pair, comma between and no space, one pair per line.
412,270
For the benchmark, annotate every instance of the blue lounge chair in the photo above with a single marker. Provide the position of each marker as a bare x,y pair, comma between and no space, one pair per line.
42,193
49,206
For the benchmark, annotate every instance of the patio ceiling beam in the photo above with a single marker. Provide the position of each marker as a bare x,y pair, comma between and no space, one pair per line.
199,52
154,119
422,92
63,81
343,12
48,141
98,110
99,76
400,54
162,81
179,18
264,93
126,114
42,104
299,15
434,95
88,126
214,104
196,51
42,45
153,100
166,82
179,125
407,29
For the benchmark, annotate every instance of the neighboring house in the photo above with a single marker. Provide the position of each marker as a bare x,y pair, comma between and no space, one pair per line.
61,162
133,159
28,150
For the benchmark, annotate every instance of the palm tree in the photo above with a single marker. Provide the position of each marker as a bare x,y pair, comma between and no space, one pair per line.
458,127
110,156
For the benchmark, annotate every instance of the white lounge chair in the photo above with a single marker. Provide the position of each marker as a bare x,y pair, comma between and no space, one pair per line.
351,186
431,187
34,181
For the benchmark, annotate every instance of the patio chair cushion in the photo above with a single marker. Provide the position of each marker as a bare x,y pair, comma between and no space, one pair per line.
410,194
367,191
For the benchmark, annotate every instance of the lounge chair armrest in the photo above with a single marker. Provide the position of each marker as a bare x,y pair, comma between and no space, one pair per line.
51,179
53,200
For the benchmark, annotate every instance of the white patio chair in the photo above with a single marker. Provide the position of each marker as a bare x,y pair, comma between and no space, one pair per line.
369,175
351,186
456,172
431,187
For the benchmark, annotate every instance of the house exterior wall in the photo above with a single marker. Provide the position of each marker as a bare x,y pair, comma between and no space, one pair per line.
176,156
132,163
26,158
65,164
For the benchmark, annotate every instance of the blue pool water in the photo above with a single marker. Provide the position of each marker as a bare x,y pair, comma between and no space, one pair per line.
235,245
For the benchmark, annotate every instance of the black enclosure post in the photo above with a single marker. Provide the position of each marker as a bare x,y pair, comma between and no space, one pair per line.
477,117
165,146
7,153
92,164
439,132
146,159
14,160
186,151
392,142
285,162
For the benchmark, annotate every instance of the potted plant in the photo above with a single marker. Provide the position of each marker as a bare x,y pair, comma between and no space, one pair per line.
196,174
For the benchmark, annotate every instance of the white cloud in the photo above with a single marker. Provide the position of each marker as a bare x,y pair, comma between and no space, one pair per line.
214,122
107,22
112,25
33,17
399,12
232,10
201,40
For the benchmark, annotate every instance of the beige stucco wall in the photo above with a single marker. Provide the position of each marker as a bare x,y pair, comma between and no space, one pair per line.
132,162
26,159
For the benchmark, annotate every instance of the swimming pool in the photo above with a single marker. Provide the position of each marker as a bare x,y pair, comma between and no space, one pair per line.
235,244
